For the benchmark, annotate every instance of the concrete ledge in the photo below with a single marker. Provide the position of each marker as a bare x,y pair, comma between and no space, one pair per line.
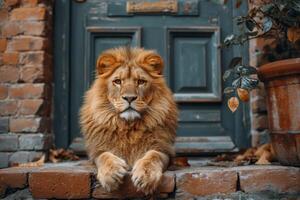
75,180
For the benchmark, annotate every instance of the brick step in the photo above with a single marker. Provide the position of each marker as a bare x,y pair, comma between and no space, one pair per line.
76,180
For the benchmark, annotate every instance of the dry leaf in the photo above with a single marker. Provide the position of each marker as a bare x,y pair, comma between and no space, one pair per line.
233,104
37,163
180,162
243,94
293,34
58,155
262,149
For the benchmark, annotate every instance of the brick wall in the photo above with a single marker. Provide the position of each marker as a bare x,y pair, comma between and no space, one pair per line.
25,80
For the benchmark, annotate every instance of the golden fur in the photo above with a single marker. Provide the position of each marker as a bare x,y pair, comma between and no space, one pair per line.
129,118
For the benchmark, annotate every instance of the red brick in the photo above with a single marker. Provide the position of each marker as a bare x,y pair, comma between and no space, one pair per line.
12,178
277,179
35,58
9,74
3,44
3,92
128,191
10,58
3,15
11,2
8,107
59,183
26,125
27,44
37,13
31,107
35,74
33,28
200,182
11,29
27,91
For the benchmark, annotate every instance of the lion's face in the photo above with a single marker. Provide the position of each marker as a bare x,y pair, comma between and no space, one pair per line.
130,80
129,91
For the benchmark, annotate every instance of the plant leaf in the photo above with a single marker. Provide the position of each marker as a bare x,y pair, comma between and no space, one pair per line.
243,94
234,61
226,74
293,34
237,83
228,90
247,70
248,83
250,24
267,24
233,104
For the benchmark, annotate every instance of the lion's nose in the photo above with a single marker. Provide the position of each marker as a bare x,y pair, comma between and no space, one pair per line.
129,98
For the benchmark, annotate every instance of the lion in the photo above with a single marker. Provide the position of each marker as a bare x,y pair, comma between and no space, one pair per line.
129,119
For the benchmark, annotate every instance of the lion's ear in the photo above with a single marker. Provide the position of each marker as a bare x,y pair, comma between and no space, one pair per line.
105,63
156,62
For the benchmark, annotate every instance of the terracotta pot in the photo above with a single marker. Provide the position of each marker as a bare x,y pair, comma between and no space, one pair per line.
282,83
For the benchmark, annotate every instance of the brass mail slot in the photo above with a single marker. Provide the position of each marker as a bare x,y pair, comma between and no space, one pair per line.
159,6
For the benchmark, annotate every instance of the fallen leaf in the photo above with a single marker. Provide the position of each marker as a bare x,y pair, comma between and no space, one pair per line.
293,34
180,162
58,155
233,103
37,163
243,94
262,149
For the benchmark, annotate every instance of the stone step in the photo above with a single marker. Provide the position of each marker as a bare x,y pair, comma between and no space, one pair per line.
76,180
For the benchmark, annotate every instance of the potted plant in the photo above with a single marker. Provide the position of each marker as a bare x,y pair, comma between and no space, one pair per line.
278,20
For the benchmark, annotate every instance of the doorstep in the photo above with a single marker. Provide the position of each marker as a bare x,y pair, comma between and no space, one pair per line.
76,180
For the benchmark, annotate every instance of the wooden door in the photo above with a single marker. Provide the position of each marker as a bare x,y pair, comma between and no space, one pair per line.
186,33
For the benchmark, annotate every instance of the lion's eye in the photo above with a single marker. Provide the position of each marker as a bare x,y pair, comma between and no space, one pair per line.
117,81
141,82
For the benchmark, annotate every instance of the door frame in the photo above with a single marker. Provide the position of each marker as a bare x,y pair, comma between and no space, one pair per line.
62,25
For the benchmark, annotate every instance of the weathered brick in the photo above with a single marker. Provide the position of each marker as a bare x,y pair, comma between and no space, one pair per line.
3,15
11,2
37,13
35,58
9,74
277,179
3,92
33,28
28,91
60,183
200,182
18,125
35,141
128,191
35,74
4,158
259,121
4,125
11,58
11,29
27,43
258,105
24,157
32,107
9,142
8,107
3,44
12,178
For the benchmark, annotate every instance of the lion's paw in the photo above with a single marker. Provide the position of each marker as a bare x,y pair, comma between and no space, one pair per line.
111,173
146,176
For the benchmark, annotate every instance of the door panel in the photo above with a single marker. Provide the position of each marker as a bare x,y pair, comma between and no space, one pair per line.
187,35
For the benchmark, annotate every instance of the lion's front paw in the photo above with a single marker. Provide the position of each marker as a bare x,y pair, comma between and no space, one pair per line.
112,172
146,176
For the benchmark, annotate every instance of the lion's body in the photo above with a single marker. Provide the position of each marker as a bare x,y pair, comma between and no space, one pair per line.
103,128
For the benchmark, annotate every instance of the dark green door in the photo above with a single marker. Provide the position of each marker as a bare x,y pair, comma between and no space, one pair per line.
186,34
